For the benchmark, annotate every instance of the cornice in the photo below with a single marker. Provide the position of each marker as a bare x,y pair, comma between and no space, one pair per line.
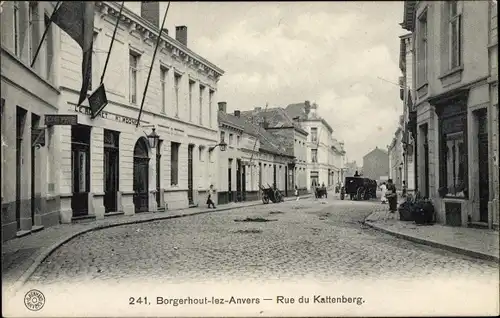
150,33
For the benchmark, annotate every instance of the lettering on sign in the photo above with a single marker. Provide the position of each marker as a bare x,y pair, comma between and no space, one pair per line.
51,120
122,119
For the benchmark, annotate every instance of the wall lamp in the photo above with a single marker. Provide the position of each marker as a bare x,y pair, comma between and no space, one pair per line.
153,137
222,146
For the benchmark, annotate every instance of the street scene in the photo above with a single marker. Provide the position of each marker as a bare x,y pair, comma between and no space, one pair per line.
269,155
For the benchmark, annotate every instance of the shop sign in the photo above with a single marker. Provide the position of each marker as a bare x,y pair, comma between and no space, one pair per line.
52,120
103,114
97,101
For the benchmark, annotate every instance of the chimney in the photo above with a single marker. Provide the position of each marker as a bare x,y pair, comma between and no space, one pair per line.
181,34
222,106
150,11
237,113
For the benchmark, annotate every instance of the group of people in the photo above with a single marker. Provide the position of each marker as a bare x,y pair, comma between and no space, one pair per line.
389,195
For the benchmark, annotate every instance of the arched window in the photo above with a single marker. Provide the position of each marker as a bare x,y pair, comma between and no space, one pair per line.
141,148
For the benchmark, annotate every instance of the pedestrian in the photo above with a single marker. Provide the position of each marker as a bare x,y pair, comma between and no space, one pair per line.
403,194
392,196
209,199
297,193
383,188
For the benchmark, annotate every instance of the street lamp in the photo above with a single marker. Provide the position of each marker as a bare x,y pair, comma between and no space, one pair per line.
222,146
153,139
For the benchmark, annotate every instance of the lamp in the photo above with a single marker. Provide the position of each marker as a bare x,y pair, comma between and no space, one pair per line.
222,146
153,139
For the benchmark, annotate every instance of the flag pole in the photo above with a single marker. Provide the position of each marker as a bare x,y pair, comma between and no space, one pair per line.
112,40
152,64
45,33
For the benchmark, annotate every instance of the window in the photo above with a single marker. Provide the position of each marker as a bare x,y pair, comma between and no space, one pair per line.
422,49
17,50
202,92
50,50
210,102
237,141
177,82
33,29
314,155
230,140
454,25
453,155
174,162
201,153
191,87
314,134
133,60
222,136
163,81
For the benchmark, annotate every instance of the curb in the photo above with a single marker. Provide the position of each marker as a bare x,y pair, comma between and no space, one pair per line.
450,248
47,251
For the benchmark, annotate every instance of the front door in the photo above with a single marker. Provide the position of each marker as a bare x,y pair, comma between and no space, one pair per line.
190,174
110,179
35,119
426,162
238,180
483,168
286,181
243,182
229,186
80,157
141,176
158,174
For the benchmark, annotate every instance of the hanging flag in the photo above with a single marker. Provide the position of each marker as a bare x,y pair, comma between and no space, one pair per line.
76,18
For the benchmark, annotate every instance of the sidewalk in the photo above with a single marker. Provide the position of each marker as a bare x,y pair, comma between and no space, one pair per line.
478,243
21,256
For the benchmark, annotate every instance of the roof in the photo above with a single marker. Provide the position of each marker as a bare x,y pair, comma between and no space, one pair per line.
275,118
409,15
268,141
377,149
298,110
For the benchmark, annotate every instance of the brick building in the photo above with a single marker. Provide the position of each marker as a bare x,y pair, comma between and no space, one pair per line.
376,164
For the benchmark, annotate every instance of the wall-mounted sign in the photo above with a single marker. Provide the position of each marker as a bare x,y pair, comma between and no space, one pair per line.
52,120
97,101
119,118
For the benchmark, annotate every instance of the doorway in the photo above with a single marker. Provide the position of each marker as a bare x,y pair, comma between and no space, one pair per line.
190,174
80,164
229,186
158,174
141,176
238,180
274,176
35,121
482,144
111,172
425,134
20,122
243,182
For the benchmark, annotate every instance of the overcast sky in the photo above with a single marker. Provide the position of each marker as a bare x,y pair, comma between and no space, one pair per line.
332,53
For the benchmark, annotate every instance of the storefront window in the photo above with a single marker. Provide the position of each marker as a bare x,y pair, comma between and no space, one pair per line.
454,176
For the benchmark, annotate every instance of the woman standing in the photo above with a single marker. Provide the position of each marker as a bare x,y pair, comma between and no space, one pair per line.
383,188
392,196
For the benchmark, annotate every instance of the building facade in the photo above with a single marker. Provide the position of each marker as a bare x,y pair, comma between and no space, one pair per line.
275,125
95,167
324,154
397,167
255,158
376,164
456,104
27,93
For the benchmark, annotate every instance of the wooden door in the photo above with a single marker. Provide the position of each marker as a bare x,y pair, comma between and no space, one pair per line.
483,167
190,174
141,176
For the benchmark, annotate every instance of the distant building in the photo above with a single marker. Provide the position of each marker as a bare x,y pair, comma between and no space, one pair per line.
376,164
396,156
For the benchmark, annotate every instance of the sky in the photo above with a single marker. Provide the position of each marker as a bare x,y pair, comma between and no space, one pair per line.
342,55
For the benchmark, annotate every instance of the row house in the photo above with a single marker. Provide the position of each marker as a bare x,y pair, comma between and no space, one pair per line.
286,132
409,114
28,91
320,155
95,167
255,158
337,159
456,104
396,158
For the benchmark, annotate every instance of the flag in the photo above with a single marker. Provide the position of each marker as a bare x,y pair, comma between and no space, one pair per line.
76,18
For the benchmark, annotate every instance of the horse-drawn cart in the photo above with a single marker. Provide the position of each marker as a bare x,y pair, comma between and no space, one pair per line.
360,188
321,192
271,194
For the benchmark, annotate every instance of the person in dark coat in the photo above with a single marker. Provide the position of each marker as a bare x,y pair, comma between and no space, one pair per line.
392,196
210,203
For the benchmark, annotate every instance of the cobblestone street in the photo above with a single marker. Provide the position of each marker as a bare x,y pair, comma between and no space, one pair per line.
310,239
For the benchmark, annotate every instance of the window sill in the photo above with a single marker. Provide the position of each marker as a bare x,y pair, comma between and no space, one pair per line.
449,198
451,72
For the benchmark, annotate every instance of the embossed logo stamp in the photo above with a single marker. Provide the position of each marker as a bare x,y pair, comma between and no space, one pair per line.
34,300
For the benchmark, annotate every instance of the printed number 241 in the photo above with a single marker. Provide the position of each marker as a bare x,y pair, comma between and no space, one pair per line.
140,301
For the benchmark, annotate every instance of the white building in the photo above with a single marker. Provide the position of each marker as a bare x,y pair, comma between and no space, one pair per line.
27,94
103,166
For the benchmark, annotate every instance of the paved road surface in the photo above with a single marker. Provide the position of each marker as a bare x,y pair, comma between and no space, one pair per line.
308,239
